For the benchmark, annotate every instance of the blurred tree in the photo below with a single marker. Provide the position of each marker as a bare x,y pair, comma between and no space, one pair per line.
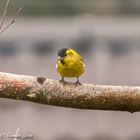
8,48
43,48
74,7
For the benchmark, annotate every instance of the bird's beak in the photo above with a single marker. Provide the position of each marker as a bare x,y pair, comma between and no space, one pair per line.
61,58
58,58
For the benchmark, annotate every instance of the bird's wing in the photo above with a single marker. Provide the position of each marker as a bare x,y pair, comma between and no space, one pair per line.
82,60
80,57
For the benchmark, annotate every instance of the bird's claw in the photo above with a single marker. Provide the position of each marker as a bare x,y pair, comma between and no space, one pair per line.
63,82
77,83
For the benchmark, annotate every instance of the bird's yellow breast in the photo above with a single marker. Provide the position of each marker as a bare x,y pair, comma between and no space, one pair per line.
72,66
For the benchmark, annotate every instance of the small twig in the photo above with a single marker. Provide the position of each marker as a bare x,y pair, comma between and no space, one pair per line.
12,21
4,13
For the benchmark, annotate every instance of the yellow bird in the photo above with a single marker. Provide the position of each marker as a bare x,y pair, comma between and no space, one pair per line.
69,64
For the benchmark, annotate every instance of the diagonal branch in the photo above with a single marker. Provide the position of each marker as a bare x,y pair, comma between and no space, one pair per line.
12,21
3,18
4,14
85,96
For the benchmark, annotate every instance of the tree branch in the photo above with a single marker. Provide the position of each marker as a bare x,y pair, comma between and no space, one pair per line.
4,14
85,96
3,18
12,21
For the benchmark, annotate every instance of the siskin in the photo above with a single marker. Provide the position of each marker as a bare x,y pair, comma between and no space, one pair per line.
70,64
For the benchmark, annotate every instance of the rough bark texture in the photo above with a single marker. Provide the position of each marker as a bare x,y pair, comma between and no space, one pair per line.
85,96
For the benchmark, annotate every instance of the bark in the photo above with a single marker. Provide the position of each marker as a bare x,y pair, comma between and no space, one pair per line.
85,96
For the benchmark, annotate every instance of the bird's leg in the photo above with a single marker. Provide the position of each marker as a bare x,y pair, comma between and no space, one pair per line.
62,81
77,83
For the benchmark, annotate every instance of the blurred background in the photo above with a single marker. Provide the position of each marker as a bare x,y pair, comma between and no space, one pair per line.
105,32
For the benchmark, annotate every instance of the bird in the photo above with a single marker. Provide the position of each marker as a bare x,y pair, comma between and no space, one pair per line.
69,64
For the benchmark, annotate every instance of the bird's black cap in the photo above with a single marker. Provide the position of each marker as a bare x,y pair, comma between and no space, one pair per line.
62,52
